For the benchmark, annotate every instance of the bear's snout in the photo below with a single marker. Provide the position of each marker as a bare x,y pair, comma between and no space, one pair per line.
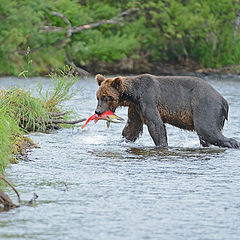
101,107
98,111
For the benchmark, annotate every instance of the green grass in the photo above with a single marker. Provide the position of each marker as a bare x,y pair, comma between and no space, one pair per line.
21,112
27,110
63,81
8,130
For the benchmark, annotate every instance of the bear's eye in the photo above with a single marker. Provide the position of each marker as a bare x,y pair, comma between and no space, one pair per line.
104,98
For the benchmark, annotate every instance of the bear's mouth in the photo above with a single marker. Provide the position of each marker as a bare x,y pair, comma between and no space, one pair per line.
112,109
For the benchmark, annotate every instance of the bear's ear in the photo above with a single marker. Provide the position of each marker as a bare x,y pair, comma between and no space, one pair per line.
100,78
117,83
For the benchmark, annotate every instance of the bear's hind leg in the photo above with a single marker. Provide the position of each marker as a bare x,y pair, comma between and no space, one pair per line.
209,124
218,139
203,143
215,137
134,126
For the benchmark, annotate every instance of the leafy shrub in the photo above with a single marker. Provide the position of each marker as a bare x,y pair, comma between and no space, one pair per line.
206,31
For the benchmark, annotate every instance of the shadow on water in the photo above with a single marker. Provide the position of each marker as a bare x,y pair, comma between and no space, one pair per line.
161,154
179,153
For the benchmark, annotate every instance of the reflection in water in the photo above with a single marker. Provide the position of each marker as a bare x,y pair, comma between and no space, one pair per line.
119,190
161,153
178,153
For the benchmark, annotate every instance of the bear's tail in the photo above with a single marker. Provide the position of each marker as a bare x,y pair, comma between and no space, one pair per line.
224,114
225,109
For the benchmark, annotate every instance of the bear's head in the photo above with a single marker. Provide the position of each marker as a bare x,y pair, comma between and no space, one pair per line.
108,94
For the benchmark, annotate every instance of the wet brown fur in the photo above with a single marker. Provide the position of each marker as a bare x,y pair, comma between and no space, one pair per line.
181,119
185,102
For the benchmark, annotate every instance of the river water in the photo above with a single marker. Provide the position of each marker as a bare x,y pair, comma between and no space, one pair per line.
119,190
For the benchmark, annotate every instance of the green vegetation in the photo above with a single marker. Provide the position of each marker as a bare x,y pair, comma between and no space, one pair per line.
8,129
175,31
63,81
21,112
26,109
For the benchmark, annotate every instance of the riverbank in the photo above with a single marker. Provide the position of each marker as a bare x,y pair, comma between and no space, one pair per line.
138,66
22,113
131,66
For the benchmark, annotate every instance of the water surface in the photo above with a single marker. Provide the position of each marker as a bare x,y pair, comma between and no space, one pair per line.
119,190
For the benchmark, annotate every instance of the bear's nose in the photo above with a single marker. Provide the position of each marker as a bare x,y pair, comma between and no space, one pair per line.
98,112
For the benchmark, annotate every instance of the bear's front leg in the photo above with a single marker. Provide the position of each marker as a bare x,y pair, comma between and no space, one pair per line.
134,126
155,126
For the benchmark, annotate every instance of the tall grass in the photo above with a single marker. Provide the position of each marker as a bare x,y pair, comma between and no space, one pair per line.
63,81
21,112
27,110
8,130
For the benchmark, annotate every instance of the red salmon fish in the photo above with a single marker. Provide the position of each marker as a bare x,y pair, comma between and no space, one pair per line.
108,116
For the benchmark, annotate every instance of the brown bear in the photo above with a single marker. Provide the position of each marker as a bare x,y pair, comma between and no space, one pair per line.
189,103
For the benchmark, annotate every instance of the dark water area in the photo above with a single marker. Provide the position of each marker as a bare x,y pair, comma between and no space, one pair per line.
119,190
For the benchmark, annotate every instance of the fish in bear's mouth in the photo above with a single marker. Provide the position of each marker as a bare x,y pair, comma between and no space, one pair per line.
107,116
